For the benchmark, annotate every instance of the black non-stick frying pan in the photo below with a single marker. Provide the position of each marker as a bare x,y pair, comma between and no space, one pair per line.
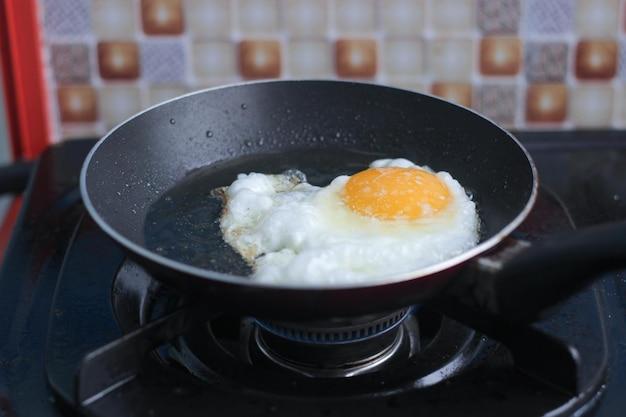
147,185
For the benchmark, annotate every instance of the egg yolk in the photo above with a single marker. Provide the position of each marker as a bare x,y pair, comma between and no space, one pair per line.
396,193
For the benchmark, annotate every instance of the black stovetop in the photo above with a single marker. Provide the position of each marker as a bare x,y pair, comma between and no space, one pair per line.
58,303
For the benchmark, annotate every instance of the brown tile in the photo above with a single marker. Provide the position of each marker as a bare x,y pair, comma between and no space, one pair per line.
77,103
356,58
118,60
546,103
259,59
458,93
162,17
596,59
500,56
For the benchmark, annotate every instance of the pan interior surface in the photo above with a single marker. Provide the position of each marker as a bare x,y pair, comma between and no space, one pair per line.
184,223
148,182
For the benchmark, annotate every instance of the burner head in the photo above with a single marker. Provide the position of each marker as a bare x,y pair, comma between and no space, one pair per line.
336,331
332,348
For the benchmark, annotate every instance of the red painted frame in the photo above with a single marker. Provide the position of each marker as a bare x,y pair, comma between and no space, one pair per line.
24,89
23,76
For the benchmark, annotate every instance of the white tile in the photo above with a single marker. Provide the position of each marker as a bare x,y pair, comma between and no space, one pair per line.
451,60
355,16
305,17
403,57
408,85
214,59
597,17
258,16
310,59
117,103
208,18
159,94
113,19
403,17
591,105
204,84
453,15
621,103
81,131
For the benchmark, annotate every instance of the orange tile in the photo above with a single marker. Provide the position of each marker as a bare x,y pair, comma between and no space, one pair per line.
458,93
500,56
596,59
546,103
259,59
77,103
162,17
118,60
356,58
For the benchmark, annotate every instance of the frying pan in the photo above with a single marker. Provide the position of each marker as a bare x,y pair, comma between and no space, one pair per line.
147,185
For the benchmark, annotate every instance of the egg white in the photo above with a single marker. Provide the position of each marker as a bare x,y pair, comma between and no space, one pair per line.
293,232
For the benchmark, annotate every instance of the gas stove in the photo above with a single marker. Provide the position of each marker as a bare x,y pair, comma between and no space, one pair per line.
84,329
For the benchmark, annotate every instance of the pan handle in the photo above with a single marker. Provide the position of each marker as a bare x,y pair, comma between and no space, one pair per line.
522,280
14,177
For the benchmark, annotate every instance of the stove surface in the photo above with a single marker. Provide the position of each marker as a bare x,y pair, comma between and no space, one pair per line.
56,306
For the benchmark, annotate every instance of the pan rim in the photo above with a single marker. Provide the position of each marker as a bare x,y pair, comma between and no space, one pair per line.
226,278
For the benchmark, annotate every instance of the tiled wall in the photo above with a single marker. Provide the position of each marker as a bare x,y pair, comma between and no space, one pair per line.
537,64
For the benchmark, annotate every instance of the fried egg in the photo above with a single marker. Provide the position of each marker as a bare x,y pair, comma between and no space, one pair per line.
392,218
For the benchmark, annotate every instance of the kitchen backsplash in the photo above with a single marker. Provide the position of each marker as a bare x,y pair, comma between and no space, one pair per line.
538,64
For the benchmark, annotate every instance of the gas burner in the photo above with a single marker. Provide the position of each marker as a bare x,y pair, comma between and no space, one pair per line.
330,360
404,349
333,348
227,349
